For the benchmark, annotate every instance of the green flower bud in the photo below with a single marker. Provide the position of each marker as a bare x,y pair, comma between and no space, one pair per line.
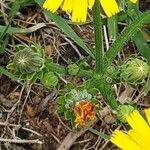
73,69
134,71
49,80
27,61
109,80
111,70
123,111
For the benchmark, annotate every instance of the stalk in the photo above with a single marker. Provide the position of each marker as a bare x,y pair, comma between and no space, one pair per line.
97,22
100,82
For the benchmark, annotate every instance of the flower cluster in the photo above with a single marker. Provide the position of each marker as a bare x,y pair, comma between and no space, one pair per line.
84,111
78,106
137,138
79,8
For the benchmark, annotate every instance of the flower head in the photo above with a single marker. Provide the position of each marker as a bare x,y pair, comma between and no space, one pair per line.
84,111
79,8
137,138
134,70
26,60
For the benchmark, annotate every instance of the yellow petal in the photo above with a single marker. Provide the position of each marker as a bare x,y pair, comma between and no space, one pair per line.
52,5
138,124
147,112
90,3
67,5
110,7
123,141
79,10
144,143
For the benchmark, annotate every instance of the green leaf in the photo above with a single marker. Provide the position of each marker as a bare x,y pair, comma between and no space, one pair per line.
63,25
3,44
68,86
142,45
30,76
4,37
60,109
8,74
11,66
138,38
125,36
112,28
147,88
102,135
61,100
122,4
68,115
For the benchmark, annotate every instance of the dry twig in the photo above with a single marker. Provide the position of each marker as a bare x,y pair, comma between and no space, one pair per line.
36,141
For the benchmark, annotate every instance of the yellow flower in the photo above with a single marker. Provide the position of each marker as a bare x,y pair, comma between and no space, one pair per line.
79,8
84,111
138,137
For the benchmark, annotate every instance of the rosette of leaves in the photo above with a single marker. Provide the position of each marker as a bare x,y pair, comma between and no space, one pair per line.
134,71
49,80
123,111
73,69
67,102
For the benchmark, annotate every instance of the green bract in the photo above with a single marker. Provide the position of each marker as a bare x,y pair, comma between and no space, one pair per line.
134,71
75,96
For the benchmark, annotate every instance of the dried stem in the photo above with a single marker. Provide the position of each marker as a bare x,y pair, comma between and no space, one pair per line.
36,141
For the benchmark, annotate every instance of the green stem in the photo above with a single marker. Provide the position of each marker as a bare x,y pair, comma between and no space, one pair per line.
98,36
101,83
100,134
63,71
105,89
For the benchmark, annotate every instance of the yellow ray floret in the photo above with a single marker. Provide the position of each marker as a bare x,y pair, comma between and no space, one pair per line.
67,5
110,7
124,141
136,138
79,11
79,8
52,5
